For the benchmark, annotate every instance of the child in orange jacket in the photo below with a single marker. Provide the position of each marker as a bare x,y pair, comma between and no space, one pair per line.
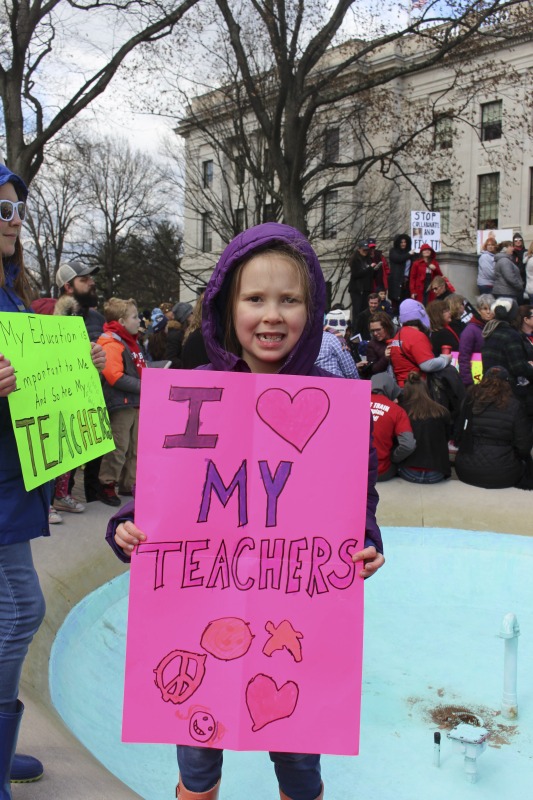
122,389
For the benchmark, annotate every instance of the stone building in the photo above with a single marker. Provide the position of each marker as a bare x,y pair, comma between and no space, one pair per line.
467,154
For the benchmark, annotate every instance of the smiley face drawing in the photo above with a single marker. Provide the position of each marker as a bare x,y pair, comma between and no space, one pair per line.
202,726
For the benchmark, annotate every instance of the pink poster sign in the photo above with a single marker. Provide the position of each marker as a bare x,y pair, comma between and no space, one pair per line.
245,626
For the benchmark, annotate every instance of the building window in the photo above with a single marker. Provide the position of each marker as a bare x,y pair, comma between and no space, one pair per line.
267,164
531,196
269,212
441,200
207,233
488,201
491,121
240,169
443,133
207,174
329,216
331,145
240,220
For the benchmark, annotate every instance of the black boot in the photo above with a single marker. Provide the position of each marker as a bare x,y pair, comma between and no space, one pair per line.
9,728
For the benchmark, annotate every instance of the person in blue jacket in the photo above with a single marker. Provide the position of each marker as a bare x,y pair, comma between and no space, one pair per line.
23,515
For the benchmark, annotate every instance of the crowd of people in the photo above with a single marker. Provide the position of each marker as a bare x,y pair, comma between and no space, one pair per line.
475,413
263,311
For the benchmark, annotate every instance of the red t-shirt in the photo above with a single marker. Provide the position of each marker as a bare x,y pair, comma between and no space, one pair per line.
415,348
389,421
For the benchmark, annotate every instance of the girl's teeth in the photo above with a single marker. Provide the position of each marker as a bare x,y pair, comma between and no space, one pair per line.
266,338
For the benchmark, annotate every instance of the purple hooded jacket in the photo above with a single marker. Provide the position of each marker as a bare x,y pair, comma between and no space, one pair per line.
471,341
301,360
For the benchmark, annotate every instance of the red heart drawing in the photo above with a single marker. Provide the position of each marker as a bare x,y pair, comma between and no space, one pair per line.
295,419
266,703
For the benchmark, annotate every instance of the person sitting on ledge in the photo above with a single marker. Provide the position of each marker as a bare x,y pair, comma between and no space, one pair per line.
494,436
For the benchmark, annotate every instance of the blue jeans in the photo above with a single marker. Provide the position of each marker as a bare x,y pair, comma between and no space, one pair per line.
420,475
484,288
21,613
298,774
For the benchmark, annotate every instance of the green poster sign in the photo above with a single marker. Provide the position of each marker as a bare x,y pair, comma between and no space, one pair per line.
58,410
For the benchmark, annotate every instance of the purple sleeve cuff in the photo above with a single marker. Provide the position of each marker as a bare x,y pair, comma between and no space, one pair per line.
372,531
123,515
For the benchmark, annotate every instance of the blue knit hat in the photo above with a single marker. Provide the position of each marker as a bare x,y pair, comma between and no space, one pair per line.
159,321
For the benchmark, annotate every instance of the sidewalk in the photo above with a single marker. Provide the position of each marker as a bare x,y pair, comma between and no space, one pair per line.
75,560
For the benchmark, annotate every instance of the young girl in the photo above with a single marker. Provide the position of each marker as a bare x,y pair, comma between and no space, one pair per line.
263,313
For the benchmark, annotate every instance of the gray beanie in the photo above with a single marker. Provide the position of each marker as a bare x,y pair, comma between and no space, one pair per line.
181,311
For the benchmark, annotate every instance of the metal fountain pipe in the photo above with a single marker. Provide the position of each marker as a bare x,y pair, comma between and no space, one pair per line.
510,631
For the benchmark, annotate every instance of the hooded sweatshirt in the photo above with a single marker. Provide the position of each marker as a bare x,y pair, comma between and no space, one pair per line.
301,359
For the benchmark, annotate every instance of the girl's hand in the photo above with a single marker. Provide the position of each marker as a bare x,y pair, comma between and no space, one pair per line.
98,356
373,561
8,381
387,350
128,536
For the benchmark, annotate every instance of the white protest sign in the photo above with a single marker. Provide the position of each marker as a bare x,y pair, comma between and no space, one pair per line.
425,229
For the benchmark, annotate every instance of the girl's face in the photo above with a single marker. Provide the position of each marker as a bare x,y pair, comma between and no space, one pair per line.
438,290
131,321
447,316
9,231
269,314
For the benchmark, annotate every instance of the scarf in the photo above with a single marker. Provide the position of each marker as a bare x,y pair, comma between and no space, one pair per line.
490,327
129,340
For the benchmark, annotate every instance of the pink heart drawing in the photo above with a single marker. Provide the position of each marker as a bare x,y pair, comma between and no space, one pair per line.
266,703
295,419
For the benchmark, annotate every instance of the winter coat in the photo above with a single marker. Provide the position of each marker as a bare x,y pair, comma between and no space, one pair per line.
68,306
174,343
507,280
399,260
519,257
121,384
492,449
23,515
419,279
471,342
301,360
44,305
380,278
375,353
193,353
503,348
361,274
431,452
486,268
445,336
529,277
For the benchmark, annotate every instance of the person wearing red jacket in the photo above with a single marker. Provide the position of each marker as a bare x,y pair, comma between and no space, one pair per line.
423,270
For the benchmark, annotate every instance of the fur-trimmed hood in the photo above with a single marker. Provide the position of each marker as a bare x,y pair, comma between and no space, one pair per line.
67,306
